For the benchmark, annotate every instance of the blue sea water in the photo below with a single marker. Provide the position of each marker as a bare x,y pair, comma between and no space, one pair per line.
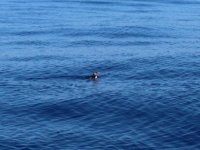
148,54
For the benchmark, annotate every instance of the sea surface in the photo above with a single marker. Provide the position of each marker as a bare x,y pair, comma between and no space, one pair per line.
148,55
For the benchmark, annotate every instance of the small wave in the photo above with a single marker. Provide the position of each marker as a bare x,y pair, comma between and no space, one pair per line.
26,43
85,43
115,3
66,77
183,2
38,58
117,32
30,33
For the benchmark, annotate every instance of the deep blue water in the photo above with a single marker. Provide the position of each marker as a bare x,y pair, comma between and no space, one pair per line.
148,96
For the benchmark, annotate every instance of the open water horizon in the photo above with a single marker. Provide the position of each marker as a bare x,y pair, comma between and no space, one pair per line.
147,51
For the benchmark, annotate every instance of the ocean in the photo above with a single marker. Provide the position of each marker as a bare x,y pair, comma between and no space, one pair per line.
148,93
